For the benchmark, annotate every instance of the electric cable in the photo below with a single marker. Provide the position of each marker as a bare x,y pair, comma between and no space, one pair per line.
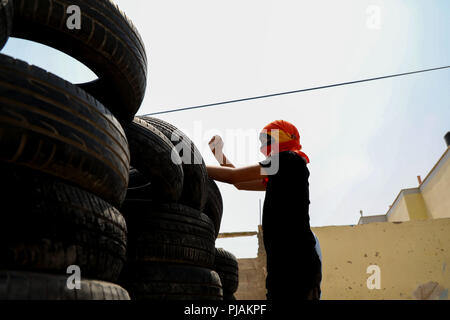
295,91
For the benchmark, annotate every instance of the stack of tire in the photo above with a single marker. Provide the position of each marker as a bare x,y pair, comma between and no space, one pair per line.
64,156
226,265
173,213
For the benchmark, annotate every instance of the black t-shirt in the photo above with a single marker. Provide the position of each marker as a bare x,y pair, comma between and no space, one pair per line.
286,204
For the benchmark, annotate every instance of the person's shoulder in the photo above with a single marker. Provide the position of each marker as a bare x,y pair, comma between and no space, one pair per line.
284,156
293,159
288,153
292,155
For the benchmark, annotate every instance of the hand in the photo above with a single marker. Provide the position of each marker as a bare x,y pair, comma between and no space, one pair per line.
216,144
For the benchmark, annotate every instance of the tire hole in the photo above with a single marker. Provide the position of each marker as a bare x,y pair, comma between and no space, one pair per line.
49,59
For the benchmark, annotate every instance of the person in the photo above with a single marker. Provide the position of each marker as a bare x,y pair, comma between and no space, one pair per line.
293,262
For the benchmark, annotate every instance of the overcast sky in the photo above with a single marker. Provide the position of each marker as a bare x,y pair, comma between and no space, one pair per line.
366,141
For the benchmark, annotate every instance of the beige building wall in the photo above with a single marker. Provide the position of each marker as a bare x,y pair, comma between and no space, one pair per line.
436,189
431,200
409,254
409,205
252,274
413,258
398,211
416,206
252,280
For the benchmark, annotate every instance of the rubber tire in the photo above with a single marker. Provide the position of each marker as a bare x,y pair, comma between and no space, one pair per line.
195,174
152,155
170,233
17,285
54,127
226,265
6,21
229,296
156,281
139,187
214,205
48,225
107,43
136,179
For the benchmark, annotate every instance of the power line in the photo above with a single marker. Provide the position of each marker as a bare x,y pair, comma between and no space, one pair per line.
295,91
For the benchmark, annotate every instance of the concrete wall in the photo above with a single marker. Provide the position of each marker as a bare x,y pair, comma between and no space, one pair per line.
431,200
416,206
372,219
409,254
252,274
409,205
399,210
413,258
252,280
436,188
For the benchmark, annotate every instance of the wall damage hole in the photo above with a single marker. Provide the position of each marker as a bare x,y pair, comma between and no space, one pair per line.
430,291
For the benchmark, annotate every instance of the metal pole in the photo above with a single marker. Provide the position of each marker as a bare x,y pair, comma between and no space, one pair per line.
260,219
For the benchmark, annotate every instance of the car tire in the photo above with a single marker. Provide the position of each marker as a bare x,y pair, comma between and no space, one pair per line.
169,233
153,155
19,285
214,205
106,42
48,225
226,265
54,127
139,187
6,20
195,174
156,281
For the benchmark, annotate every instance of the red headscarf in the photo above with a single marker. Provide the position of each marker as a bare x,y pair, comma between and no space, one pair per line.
285,137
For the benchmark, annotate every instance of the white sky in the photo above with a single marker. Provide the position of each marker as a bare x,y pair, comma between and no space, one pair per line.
365,141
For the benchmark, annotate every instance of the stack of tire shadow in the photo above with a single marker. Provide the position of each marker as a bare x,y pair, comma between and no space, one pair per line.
64,156
173,213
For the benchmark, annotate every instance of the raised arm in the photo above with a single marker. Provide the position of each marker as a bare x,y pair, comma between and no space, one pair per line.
246,178
216,146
